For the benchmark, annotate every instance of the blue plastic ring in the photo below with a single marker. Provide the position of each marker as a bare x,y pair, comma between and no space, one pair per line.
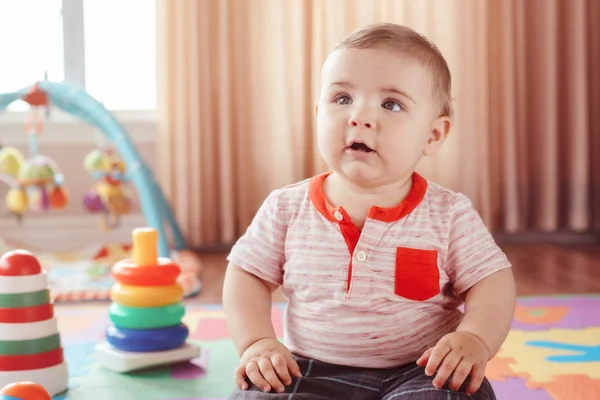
147,340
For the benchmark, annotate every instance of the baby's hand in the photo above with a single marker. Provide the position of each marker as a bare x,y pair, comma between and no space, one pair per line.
267,363
461,353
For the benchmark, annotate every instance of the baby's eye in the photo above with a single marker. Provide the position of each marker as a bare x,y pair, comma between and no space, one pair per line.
343,99
392,105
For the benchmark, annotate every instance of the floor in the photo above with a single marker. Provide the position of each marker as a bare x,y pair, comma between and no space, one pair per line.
539,269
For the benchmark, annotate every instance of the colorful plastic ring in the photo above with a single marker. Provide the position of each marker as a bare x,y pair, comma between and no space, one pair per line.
31,361
146,296
27,314
145,318
24,283
33,346
28,330
147,340
163,274
30,299
54,379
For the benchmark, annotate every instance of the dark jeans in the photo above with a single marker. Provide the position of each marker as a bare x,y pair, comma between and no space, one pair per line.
325,381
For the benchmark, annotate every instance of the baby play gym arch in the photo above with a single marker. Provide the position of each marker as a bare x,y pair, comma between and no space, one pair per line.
75,101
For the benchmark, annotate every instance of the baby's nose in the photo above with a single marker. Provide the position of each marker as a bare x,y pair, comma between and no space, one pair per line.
361,122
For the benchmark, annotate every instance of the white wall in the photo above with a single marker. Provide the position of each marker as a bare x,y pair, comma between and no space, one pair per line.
67,141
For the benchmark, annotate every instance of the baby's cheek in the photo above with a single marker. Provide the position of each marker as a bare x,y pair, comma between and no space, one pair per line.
401,154
331,143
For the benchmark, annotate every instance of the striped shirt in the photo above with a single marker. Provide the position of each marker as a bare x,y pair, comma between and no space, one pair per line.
374,298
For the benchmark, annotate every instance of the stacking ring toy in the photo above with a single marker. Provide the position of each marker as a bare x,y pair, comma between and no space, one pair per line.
53,379
145,251
146,296
145,318
27,314
24,390
28,330
24,283
32,346
19,263
31,299
147,340
31,361
127,272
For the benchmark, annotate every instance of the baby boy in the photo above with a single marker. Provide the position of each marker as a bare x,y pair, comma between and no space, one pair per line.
373,259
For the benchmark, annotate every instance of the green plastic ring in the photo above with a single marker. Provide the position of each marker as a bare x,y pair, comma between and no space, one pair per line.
124,317
19,300
33,346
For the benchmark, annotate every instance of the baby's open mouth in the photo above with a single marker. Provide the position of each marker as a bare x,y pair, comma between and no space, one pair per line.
356,146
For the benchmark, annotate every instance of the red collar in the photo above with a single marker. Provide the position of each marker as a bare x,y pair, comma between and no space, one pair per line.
391,214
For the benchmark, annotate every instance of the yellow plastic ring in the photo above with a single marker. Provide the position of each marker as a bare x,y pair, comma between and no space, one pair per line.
146,296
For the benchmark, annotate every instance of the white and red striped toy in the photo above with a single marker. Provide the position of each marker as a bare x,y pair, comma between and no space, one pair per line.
30,344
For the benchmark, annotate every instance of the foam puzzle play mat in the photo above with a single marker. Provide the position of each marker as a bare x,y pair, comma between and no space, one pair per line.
552,352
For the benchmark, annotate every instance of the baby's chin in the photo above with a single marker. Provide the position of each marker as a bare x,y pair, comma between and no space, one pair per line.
361,174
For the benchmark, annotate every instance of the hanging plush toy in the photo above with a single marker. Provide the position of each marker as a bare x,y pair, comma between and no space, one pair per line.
11,160
109,195
36,182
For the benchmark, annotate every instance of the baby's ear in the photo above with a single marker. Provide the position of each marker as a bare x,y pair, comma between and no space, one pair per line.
438,133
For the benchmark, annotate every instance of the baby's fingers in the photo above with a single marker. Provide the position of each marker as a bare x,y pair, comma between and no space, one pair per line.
422,361
440,351
239,377
268,372
293,366
280,365
448,366
253,373
477,377
460,374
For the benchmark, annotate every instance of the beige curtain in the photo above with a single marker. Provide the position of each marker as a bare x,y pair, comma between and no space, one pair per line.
544,99
238,82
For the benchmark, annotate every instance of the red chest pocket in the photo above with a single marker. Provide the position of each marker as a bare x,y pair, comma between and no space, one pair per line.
417,275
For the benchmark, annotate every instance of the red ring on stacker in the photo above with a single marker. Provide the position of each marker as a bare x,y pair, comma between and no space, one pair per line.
27,314
32,361
129,273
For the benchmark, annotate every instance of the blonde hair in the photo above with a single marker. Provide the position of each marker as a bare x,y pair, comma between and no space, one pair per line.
406,41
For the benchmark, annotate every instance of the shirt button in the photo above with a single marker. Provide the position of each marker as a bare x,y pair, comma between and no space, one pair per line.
362,256
338,215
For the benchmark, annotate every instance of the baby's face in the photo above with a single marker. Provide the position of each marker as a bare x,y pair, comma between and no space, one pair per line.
375,115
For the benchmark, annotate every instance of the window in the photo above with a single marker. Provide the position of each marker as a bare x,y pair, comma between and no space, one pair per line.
107,46
120,52
31,42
